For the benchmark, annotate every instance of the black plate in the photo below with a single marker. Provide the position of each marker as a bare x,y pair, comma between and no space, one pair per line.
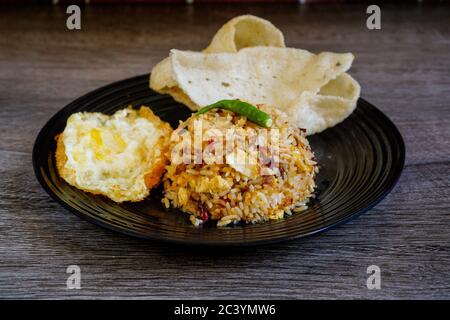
360,161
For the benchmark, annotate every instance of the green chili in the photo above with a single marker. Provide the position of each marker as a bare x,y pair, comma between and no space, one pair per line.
243,108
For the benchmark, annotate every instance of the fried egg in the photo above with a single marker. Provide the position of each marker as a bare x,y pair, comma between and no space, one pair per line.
121,156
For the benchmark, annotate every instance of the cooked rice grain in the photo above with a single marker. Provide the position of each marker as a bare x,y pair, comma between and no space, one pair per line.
220,192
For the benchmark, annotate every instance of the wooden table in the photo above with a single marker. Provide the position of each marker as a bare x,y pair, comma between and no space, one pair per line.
404,69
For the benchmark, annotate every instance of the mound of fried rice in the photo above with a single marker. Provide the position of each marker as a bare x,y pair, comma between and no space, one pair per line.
230,193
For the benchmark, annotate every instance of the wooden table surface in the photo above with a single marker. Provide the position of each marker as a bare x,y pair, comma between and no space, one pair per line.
404,69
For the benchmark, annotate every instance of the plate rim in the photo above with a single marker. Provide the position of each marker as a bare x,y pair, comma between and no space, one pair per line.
211,243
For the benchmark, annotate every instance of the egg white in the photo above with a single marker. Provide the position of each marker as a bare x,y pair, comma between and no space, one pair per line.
111,155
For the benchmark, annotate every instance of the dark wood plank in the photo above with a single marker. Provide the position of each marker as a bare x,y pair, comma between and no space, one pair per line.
404,69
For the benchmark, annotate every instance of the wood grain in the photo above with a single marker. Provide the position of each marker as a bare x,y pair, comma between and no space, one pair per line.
404,69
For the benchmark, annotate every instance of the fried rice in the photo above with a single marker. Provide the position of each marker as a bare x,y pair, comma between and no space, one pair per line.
231,192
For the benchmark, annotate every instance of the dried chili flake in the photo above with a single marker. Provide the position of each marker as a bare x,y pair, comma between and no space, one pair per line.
203,212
